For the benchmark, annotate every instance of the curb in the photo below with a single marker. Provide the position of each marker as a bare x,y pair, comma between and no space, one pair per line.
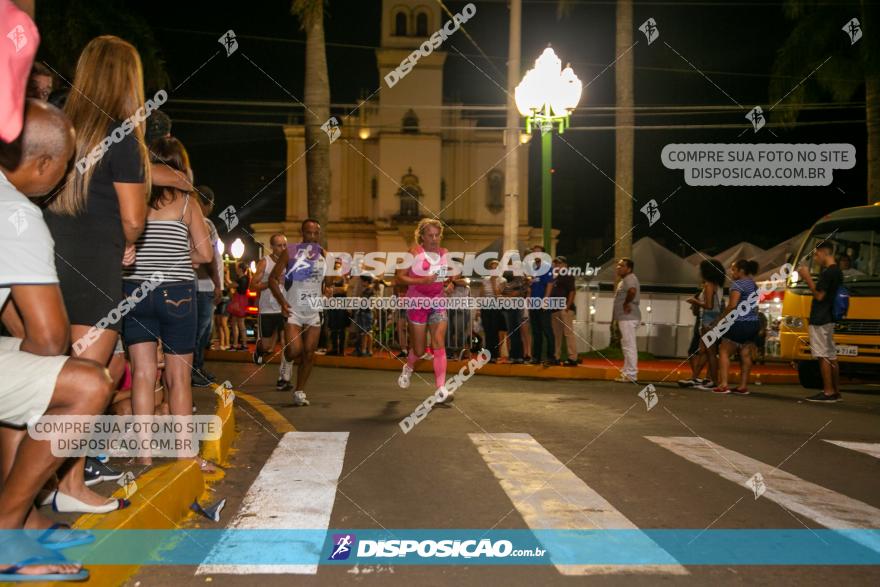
162,500
582,372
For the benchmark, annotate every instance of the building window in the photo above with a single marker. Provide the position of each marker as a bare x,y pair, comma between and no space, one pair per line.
400,24
410,123
422,24
410,194
495,191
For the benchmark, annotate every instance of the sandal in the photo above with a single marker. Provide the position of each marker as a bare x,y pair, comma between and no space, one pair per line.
28,552
60,536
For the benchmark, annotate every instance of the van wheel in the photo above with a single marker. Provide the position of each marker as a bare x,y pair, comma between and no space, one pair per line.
809,374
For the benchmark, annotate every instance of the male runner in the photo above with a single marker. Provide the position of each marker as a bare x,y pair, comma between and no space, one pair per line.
271,322
301,267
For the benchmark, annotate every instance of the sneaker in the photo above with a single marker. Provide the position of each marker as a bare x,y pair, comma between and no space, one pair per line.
284,373
286,386
405,374
571,363
705,385
738,391
299,398
721,390
257,356
402,354
693,382
209,376
822,398
552,362
97,472
625,379
517,361
199,380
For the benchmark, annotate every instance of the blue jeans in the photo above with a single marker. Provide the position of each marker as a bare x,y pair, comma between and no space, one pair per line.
205,309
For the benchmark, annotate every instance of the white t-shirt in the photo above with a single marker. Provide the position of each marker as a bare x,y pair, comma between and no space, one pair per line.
627,283
27,251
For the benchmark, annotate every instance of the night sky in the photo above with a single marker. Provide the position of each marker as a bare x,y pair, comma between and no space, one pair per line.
733,43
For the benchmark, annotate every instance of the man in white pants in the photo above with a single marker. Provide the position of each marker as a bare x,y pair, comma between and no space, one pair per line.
627,314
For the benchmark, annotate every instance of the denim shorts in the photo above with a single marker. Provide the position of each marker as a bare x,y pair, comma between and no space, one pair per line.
743,332
167,312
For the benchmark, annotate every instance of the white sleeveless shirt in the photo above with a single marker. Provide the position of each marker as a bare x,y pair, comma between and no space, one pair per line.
268,304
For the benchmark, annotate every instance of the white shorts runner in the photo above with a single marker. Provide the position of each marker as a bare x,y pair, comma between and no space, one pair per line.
304,319
27,384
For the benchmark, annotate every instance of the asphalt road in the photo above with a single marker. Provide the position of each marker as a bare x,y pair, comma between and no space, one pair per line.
678,465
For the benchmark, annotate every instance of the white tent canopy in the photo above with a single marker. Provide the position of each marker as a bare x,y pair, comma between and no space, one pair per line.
655,265
773,258
742,250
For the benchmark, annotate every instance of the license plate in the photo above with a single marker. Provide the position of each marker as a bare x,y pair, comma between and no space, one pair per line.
848,350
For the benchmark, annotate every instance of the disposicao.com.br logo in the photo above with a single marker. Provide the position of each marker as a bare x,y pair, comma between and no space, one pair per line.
343,545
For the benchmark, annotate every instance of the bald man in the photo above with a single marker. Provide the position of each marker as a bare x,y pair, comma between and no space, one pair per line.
37,379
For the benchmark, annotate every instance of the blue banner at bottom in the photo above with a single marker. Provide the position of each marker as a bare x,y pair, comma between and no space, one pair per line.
465,547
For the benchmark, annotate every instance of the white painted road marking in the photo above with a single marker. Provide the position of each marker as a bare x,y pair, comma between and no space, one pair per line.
550,497
295,490
828,508
868,448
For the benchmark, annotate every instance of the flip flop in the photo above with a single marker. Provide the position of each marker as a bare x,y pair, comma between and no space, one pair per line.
16,545
60,536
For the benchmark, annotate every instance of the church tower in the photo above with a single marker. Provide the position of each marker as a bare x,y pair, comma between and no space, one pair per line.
410,139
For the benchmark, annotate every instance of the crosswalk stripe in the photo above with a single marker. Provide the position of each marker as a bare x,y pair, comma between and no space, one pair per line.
868,448
303,470
548,495
828,508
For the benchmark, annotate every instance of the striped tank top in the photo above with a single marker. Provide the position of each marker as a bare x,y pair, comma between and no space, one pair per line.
163,247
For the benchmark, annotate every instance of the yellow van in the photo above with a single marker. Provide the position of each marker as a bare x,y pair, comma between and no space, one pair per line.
855,234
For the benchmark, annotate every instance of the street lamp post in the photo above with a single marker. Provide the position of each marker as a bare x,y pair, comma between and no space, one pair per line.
546,96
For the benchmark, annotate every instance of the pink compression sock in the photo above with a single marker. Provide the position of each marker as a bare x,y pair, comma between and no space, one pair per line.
440,367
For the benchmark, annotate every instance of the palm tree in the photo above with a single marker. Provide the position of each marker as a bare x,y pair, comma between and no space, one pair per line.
624,135
816,37
316,97
67,26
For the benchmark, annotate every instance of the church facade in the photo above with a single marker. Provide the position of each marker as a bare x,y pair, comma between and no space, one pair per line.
404,154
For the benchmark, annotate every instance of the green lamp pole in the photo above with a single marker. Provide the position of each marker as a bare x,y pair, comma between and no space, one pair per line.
546,96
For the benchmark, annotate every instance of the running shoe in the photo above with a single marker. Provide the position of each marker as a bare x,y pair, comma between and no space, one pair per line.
405,374
721,390
625,379
199,380
570,363
284,373
823,398
257,355
693,382
706,385
299,398
97,472
738,391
